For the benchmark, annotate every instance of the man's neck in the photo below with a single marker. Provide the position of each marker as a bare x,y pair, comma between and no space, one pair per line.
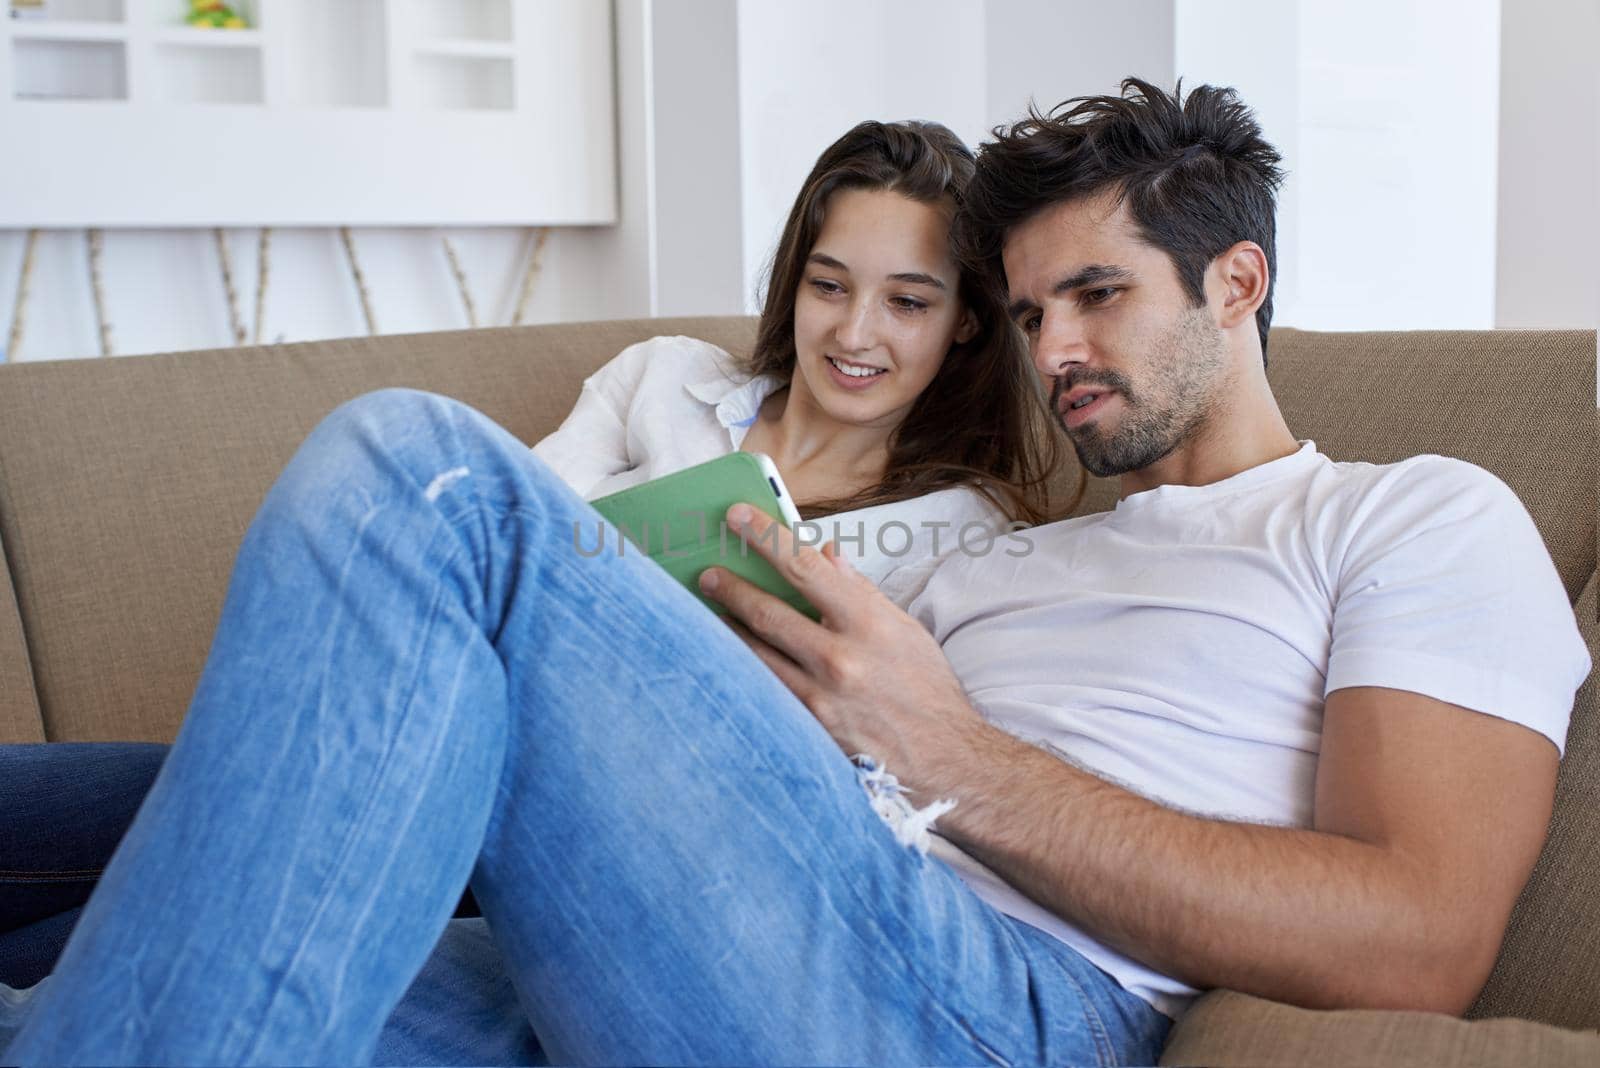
1221,448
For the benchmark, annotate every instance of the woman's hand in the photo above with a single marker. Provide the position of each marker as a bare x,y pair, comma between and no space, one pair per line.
873,677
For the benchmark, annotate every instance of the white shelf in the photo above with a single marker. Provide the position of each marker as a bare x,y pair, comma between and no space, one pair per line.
465,83
46,70
196,37
467,48
358,112
480,20
47,30
59,11
183,73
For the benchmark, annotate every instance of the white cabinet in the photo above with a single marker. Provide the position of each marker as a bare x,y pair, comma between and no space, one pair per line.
323,112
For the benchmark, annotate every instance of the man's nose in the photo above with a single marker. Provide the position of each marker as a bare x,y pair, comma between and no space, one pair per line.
859,331
1059,345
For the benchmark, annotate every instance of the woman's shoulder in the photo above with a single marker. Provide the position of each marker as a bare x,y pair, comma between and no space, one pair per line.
660,369
689,357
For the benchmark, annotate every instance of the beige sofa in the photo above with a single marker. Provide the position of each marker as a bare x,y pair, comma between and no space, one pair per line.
125,486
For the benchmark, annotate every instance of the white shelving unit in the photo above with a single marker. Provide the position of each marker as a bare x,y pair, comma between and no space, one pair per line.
323,112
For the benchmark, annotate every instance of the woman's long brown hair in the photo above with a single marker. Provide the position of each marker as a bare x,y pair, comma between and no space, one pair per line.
982,421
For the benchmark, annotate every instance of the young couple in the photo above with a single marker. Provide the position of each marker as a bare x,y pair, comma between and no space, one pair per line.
1275,723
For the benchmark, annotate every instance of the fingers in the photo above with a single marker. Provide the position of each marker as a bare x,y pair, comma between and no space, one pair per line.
774,622
823,577
789,673
835,557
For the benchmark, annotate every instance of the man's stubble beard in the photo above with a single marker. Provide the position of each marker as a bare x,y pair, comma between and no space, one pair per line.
1193,358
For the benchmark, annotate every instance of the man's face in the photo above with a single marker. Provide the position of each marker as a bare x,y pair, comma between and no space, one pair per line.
1136,372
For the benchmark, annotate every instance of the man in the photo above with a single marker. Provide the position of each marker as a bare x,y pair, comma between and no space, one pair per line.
1237,732
1280,685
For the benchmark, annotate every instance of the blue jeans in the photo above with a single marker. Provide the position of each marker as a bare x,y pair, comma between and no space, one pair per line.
417,682
63,808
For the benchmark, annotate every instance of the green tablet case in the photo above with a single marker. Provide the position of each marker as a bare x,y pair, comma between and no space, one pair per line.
680,522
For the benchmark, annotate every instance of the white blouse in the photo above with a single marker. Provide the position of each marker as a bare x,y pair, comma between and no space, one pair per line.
673,402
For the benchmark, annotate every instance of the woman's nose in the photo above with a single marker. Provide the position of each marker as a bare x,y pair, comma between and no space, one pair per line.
858,332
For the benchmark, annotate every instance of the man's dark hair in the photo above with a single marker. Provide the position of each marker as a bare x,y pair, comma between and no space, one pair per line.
1195,173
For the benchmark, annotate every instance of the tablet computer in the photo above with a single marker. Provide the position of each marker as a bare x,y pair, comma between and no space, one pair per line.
680,522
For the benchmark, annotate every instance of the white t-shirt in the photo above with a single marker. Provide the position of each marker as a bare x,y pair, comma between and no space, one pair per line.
1183,644
673,402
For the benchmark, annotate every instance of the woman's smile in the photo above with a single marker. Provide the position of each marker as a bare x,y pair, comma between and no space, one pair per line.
847,374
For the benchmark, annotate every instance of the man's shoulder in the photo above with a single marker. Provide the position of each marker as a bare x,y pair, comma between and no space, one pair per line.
1419,514
1415,485
1429,468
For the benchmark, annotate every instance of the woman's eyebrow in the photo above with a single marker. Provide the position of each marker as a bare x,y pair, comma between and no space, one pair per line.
913,277
918,278
827,261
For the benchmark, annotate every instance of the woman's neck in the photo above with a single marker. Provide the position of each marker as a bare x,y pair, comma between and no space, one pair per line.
820,458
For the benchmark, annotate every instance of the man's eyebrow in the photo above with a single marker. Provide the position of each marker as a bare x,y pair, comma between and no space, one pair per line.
1092,275
913,277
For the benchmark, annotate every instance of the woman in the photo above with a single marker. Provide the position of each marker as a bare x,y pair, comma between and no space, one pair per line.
885,383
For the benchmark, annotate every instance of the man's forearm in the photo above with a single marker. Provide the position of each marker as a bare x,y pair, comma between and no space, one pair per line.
1313,918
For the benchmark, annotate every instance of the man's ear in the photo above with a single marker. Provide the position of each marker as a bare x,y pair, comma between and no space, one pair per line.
967,328
1236,284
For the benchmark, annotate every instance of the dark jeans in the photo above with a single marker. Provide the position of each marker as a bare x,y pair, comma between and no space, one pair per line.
63,808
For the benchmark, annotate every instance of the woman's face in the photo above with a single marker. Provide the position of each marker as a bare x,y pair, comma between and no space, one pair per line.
877,308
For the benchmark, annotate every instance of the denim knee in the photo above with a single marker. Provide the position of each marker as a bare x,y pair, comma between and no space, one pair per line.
374,439
439,439
391,419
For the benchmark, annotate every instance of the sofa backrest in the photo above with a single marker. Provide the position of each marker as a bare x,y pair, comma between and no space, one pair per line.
125,486
19,708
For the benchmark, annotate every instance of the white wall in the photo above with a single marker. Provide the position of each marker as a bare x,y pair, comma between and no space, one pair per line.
1046,52
1384,112
1264,65
164,288
807,73
1397,157
676,249
697,158
1389,113
1387,217
1546,273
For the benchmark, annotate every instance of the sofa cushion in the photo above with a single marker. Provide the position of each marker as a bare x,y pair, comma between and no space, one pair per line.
129,483
19,709
1226,1029
1520,403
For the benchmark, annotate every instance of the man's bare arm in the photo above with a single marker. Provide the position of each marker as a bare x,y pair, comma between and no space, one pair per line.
1428,820
1428,817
